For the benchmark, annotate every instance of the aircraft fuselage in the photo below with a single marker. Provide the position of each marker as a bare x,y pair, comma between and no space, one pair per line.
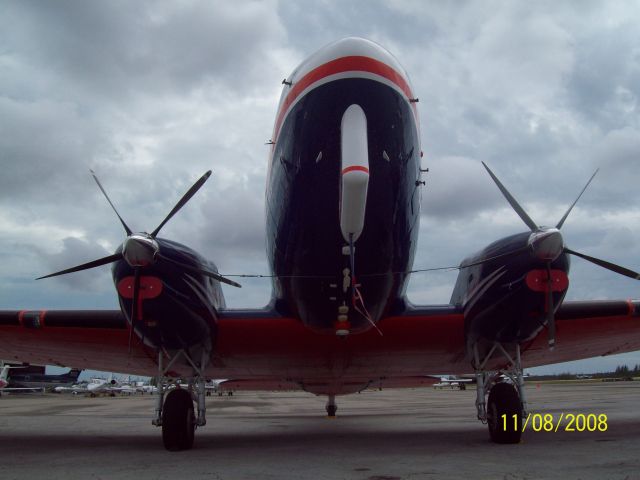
307,250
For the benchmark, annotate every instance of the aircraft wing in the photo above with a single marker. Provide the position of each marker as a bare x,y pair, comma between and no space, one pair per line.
94,339
276,352
588,329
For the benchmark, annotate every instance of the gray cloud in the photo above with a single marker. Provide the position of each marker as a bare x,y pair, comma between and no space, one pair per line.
76,252
122,50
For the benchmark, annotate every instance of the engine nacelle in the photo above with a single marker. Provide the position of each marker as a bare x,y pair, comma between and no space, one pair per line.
176,308
504,291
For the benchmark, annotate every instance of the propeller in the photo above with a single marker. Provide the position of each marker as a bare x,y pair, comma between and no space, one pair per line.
140,250
547,244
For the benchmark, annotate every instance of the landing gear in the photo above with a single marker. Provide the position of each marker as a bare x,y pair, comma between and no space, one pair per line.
178,421
331,407
504,414
506,405
176,414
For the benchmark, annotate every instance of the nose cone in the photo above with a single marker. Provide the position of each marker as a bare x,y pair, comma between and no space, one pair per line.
322,64
357,46
348,47
351,57
546,245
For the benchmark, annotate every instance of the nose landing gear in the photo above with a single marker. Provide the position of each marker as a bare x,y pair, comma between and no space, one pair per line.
331,407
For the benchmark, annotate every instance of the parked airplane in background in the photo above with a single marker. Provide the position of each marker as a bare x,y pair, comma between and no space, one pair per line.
452,382
342,209
74,389
35,377
144,387
99,385
5,384
25,377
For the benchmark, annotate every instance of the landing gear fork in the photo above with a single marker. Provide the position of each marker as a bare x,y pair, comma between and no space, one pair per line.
507,403
173,431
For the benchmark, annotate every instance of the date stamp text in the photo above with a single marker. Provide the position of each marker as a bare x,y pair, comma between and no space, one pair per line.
567,422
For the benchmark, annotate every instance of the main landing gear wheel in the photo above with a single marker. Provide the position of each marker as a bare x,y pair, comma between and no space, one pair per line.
178,421
504,409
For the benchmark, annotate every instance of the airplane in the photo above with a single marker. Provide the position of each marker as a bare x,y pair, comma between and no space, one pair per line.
342,217
75,389
4,382
144,387
34,377
101,385
94,387
451,381
7,386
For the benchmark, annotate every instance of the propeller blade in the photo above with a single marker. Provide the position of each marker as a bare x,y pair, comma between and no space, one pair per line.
512,201
551,320
185,198
86,266
213,275
608,265
126,228
564,217
134,304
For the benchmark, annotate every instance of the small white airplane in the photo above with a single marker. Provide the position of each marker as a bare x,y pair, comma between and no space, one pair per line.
144,387
75,389
452,382
100,385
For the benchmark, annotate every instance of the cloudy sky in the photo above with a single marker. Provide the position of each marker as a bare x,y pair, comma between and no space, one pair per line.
150,95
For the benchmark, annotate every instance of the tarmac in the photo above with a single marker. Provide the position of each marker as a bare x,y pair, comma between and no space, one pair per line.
378,435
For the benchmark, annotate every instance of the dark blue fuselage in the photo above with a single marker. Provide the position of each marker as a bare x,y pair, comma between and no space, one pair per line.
304,240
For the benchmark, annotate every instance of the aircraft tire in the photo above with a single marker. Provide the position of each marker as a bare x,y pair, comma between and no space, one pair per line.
331,410
178,421
504,400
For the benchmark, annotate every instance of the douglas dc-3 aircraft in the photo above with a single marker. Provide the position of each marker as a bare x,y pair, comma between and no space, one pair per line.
342,209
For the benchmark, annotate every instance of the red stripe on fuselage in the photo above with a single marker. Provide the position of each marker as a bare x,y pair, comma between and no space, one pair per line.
341,65
355,168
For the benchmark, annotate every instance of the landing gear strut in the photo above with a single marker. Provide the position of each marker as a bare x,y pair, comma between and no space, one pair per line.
175,414
506,405
331,407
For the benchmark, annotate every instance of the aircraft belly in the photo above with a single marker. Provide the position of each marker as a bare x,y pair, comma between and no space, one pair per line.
284,348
